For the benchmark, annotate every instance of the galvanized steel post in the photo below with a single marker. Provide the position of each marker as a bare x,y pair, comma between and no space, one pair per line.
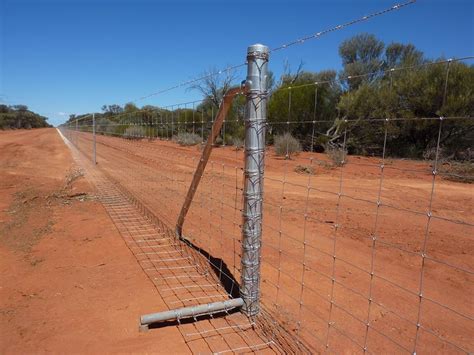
255,117
94,158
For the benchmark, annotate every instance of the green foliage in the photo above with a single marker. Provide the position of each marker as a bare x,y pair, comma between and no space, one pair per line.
134,132
361,54
303,105
375,108
406,95
105,126
18,116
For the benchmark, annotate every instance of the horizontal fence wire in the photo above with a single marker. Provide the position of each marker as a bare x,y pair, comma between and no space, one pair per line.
232,69
366,245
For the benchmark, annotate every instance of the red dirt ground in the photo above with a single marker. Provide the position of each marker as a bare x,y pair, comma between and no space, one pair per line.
334,240
296,248
68,283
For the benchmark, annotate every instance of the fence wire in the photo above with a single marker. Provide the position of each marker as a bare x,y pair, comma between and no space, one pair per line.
362,250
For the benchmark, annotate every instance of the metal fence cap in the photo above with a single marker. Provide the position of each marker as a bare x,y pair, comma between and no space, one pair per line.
258,48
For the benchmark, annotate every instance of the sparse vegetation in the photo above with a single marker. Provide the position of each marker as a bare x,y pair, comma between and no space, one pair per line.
187,139
305,169
105,126
458,171
237,143
134,132
286,145
337,155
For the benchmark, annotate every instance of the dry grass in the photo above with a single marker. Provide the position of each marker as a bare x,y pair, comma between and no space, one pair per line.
458,171
305,169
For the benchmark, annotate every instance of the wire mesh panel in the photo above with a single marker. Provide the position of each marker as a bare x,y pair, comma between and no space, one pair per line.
367,241
368,223
180,274
368,218
154,153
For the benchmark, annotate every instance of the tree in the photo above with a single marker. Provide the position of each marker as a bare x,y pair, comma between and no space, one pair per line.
360,54
18,116
129,107
214,85
20,108
398,54
110,110
309,103
409,94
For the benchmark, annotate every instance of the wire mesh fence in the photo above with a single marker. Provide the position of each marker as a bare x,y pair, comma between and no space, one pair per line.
367,224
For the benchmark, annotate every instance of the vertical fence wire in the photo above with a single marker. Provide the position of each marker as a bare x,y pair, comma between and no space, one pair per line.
361,251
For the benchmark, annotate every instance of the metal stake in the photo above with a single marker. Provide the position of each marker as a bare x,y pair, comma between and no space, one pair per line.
256,113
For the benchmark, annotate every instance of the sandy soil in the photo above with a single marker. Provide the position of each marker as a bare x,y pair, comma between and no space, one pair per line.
333,259
68,283
331,253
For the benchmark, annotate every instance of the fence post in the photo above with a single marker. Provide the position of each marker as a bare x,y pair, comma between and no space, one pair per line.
94,158
77,133
255,116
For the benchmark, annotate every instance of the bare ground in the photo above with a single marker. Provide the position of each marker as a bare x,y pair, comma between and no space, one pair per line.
333,259
68,283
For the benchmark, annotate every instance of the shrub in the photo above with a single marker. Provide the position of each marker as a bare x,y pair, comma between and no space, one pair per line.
305,169
337,155
287,145
105,126
458,171
237,142
184,138
430,154
134,132
219,141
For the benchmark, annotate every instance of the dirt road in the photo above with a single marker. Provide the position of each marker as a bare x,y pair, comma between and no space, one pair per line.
68,283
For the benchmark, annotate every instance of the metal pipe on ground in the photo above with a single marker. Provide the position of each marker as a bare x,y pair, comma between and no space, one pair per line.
189,312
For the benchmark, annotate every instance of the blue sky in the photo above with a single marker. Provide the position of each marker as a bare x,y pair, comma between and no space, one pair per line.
72,56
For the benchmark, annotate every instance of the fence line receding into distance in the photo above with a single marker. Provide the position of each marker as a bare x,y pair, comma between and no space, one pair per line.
366,240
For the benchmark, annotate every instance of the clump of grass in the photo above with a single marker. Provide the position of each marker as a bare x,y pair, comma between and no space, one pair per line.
337,155
187,139
286,145
305,169
458,171
134,132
